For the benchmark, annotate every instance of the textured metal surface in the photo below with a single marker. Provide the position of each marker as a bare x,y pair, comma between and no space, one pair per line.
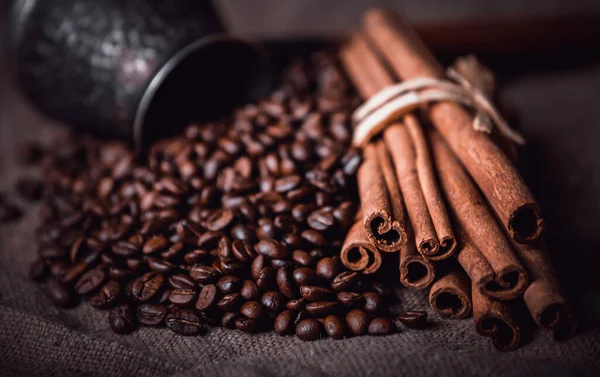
88,62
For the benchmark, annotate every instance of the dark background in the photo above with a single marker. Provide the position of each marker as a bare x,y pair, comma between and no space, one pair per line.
556,94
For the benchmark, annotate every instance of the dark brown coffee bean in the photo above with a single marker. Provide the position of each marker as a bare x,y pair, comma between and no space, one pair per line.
246,325
184,322
335,327
345,281
74,272
38,270
413,319
284,322
300,212
208,298
107,296
373,302
135,263
314,237
329,268
225,248
121,319
357,322
321,308
90,281
309,329
246,233
151,314
305,276
351,161
146,286
287,183
315,293
228,319
320,220
381,326
266,229
197,256
266,278
182,297
230,302
232,267
51,251
155,244
250,290
252,310
273,301
243,251
209,240
351,299
229,284
301,315
296,305
286,263
60,294
181,281
272,249
119,274
204,274
160,266
303,258
219,220
285,283
257,265
125,249
291,240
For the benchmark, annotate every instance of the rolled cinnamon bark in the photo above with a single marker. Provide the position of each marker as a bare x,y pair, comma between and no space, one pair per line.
382,230
450,296
416,272
497,178
358,254
496,320
483,240
544,297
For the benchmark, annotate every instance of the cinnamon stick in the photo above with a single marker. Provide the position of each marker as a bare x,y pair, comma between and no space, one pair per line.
483,242
450,296
358,254
497,178
416,272
544,297
410,155
495,319
381,228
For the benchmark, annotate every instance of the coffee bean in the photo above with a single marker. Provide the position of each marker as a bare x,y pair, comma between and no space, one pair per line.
287,183
321,308
357,322
271,249
302,258
250,290
266,278
328,268
229,284
381,326
151,314
246,325
182,297
208,298
252,310
90,281
320,220
155,244
373,302
107,296
51,251
315,293
273,301
184,322
351,299
286,263
257,265
38,270
228,319
181,281
60,294
146,286
413,319
314,237
334,326
296,305
125,249
219,220
230,302
309,329
121,319
242,251
305,276
345,281
285,282
74,272
204,274
284,322
246,233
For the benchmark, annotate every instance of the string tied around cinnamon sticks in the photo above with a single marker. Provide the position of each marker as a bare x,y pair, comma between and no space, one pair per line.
402,98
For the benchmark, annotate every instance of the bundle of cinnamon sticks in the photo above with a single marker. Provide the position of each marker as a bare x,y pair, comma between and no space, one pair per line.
447,197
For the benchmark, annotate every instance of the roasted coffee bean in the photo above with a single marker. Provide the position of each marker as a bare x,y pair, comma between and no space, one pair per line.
320,220
51,251
160,266
228,319
184,322
146,286
257,265
309,329
283,324
351,299
182,297
286,263
321,308
29,188
229,284
119,274
151,314
357,322
246,233
287,183
335,326
273,301
107,296
291,240
252,310
90,281
58,268
413,319
250,290
301,315
163,297
314,237
266,278
373,302
315,293
285,282
271,249
345,281
381,326
232,267
38,270
121,319
230,302
303,258
225,248
60,293
305,276
125,249
296,305
155,244
208,298
204,274
219,220
242,251
181,281
329,268
197,256
246,325
74,273
266,229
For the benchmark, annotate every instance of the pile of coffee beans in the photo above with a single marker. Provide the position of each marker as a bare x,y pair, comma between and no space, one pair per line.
237,223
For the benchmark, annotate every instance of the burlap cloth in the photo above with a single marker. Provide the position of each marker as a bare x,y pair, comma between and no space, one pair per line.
560,118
